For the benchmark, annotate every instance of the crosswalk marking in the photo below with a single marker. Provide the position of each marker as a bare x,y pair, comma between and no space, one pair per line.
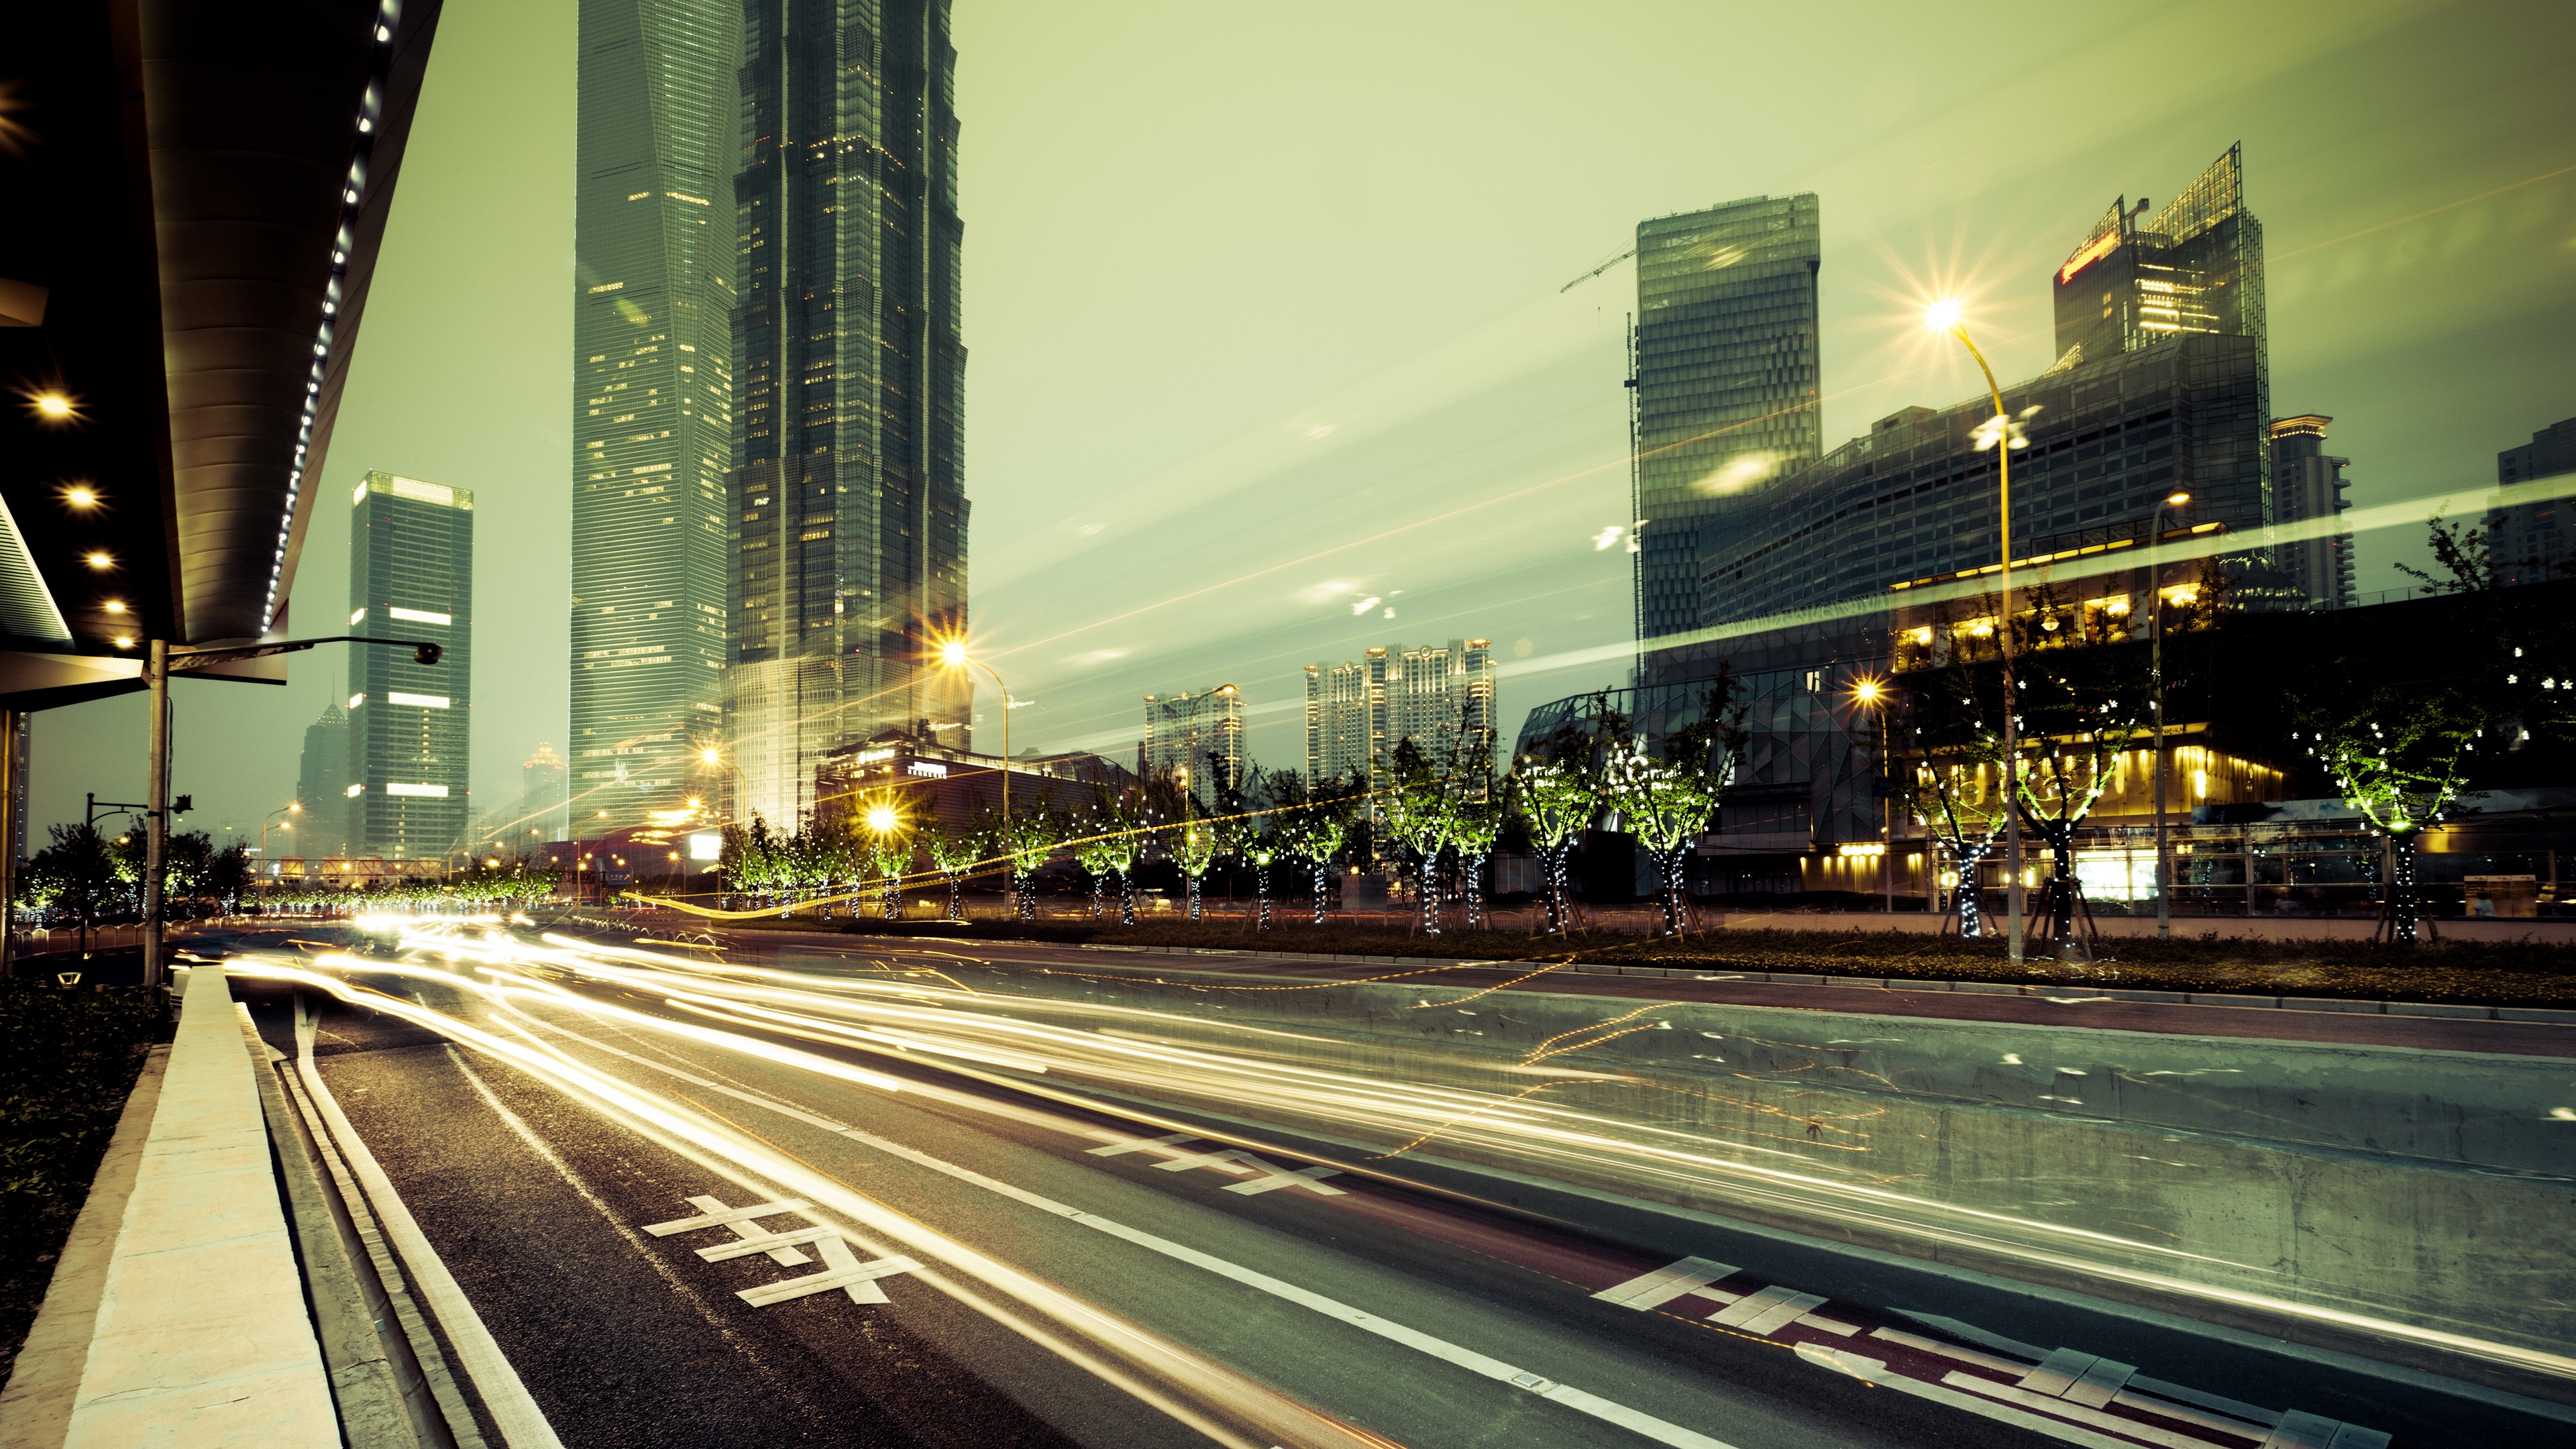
1653,1290
1770,1309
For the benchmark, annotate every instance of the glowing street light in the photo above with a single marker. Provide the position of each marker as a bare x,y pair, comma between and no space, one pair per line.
2156,671
882,819
953,655
1946,315
1874,696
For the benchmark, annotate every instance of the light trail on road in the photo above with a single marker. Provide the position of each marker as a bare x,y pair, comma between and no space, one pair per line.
1064,1050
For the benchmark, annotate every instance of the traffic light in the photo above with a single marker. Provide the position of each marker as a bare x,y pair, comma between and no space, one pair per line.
182,804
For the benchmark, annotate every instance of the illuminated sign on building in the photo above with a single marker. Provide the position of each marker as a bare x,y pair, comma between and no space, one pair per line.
2093,251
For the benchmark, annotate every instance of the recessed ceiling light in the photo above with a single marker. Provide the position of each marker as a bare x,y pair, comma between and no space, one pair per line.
81,495
100,559
115,606
51,405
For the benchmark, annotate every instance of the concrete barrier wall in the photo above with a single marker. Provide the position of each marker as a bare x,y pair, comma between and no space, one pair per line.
2429,1187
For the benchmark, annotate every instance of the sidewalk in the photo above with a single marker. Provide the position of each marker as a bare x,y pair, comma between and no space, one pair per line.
177,1314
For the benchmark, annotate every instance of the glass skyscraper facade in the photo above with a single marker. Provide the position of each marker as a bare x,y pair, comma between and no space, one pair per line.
2308,483
1726,384
653,411
849,513
411,576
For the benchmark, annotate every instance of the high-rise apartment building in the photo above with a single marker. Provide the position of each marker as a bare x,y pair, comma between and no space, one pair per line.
653,414
1726,384
1440,696
322,787
849,516
1197,738
2307,485
2528,543
411,576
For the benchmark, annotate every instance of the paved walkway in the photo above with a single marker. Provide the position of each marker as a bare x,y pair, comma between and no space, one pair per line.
177,1314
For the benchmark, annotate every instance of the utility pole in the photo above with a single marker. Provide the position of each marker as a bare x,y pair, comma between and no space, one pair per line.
156,812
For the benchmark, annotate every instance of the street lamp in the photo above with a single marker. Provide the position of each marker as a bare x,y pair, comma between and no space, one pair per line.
1872,695
953,655
2002,433
292,807
2156,669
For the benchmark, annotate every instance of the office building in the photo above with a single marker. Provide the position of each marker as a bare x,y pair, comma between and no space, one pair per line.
2534,541
322,787
411,576
653,261
1197,739
1726,382
2307,485
849,516
1440,696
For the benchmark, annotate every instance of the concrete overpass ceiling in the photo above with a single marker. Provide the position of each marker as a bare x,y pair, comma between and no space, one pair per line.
192,201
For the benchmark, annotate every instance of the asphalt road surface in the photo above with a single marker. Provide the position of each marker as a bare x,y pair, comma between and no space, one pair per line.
1056,1275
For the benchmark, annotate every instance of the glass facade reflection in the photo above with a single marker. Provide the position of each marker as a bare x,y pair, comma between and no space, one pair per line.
1726,379
849,514
653,406
411,576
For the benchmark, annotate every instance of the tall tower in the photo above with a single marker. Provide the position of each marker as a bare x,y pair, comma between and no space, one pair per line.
411,576
849,507
653,406
322,787
1727,378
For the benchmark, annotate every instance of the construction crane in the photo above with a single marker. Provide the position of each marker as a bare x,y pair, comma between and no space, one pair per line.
1596,271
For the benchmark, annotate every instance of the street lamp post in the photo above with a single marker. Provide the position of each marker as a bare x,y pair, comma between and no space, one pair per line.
292,807
2156,669
953,655
160,661
1872,694
2003,435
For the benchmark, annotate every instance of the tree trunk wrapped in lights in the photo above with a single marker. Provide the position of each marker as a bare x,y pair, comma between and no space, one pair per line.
1239,828
1667,799
1416,807
1554,801
2400,761
1025,839
956,852
1315,824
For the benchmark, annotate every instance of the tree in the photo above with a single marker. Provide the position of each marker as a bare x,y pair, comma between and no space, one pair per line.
1415,804
2082,711
75,876
1243,829
2398,754
1668,797
1477,813
889,846
1026,838
1552,792
956,850
1315,824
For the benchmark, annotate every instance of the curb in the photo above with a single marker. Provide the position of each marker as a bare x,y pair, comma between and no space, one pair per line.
2541,1015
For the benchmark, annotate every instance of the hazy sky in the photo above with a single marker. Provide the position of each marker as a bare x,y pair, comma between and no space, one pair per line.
1263,311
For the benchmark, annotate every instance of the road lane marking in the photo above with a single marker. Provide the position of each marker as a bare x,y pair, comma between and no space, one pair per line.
727,1252
841,1268
514,1411
1122,1145
1767,1311
1222,1161
1608,1411
786,1257
716,1218
1279,1177
1662,1286
2095,1417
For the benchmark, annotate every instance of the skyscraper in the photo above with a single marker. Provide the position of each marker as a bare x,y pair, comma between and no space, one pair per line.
1196,737
653,411
2308,484
411,576
849,509
1726,379
1440,696
321,787
544,788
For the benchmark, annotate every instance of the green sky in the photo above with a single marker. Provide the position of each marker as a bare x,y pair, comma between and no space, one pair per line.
1263,309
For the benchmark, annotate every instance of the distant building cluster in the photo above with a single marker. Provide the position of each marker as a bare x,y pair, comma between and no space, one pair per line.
1197,739
1440,696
